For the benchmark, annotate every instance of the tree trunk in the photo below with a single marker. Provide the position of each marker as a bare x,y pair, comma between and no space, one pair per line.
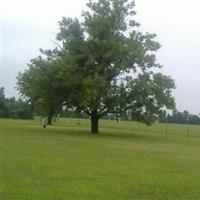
49,119
50,115
94,124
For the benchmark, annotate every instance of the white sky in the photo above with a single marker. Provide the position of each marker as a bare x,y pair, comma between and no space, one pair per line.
32,24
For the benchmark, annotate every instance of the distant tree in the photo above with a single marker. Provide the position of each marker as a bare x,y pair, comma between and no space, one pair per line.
181,118
12,108
2,102
104,65
18,109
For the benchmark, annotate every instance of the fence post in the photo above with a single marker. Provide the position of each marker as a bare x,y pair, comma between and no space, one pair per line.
166,131
188,132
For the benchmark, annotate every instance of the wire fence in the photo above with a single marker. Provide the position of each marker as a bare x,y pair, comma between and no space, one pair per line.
157,128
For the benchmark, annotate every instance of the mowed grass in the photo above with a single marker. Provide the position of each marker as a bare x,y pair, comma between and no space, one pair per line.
125,161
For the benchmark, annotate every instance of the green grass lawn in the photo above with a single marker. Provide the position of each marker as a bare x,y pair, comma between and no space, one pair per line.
125,161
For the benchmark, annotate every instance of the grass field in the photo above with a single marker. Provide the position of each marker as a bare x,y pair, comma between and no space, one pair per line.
125,161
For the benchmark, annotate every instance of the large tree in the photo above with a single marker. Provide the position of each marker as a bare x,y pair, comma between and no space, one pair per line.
108,64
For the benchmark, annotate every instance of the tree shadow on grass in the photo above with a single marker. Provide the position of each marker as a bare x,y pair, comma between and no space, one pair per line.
108,133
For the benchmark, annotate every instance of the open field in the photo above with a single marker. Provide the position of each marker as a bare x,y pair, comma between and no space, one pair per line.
125,161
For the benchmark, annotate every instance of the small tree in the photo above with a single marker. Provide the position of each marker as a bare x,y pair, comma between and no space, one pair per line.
38,85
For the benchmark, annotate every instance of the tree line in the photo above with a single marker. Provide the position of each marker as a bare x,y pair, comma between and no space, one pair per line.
20,109
14,108
102,65
178,117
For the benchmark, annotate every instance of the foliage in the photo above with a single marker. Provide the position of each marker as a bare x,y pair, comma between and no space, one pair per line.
38,84
102,65
178,117
2,101
12,108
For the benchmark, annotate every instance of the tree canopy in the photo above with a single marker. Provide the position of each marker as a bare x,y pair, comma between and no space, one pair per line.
101,65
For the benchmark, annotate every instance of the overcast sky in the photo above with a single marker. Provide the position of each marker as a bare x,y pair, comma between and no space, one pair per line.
28,25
